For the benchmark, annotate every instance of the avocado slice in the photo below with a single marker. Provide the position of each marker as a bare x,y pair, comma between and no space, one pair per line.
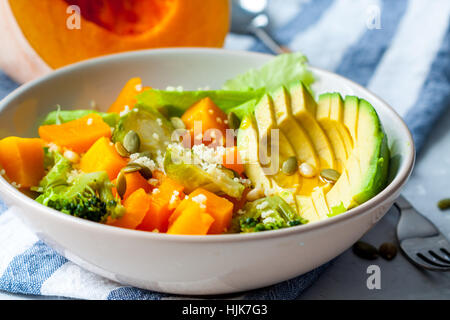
248,146
337,114
276,141
329,126
304,110
350,117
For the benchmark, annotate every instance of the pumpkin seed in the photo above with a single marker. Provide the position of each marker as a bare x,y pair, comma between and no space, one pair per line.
444,204
121,184
132,167
121,149
233,121
146,172
177,123
388,250
132,142
365,250
289,166
330,175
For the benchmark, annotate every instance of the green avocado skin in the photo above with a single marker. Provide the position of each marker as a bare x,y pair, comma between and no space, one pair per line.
376,176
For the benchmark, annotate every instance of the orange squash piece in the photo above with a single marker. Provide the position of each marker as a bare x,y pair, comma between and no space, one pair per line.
212,120
162,204
219,208
102,156
192,221
136,206
232,160
48,34
127,97
23,160
77,135
135,181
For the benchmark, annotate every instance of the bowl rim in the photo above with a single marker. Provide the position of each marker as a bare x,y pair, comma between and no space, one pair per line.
393,187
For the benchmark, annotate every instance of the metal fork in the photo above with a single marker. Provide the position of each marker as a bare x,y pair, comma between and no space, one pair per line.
420,240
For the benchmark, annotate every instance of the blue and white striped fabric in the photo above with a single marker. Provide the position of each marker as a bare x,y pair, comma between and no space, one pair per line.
399,49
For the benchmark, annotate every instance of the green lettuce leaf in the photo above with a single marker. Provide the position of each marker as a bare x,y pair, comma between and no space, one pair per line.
282,70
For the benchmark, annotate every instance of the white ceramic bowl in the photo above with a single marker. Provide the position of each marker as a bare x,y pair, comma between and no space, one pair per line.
175,263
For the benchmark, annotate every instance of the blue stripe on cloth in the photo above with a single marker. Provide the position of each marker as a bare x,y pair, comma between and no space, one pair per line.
310,13
361,59
28,271
7,85
434,97
131,293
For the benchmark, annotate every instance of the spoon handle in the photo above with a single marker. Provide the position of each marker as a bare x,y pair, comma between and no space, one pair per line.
269,41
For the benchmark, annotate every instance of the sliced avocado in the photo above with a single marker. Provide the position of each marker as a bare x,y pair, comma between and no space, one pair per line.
277,141
306,208
304,110
351,112
248,146
298,138
329,126
367,166
337,114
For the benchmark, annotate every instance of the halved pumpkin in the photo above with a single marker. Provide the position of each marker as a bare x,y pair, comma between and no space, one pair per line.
38,36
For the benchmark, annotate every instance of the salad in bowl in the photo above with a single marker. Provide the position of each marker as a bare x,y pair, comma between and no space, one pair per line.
262,153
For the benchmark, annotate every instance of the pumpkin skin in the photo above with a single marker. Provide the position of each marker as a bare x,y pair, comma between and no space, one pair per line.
35,37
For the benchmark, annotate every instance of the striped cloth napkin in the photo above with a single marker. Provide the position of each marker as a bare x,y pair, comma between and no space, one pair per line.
399,49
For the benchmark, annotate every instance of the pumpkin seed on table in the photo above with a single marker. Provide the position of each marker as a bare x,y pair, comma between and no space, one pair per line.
444,204
289,166
388,250
132,142
330,175
177,123
233,120
121,186
365,250
121,149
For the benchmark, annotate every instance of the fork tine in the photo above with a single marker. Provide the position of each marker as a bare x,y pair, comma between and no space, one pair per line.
440,258
432,262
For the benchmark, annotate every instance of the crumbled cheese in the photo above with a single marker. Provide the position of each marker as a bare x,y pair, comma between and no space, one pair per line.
262,205
16,185
174,197
53,147
155,136
159,121
73,174
153,182
156,191
200,199
90,121
269,220
143,160
125,111
71,156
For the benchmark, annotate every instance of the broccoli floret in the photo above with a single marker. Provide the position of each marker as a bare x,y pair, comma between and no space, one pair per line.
88,196
269,213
